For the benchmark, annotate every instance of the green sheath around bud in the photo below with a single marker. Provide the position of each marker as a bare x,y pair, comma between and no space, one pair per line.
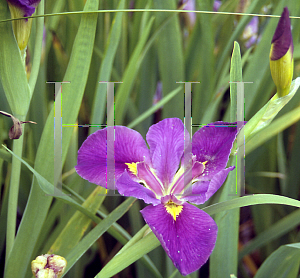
281,55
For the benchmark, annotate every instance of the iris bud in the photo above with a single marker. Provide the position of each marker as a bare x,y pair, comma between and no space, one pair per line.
281,55
22,27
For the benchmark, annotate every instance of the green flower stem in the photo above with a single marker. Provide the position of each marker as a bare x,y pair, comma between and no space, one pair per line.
13,193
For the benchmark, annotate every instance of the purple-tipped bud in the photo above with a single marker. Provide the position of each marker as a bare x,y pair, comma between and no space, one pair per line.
26,6
281,55
282,40
22,28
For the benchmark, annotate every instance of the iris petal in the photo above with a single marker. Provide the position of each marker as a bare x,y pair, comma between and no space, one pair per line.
189,240
93,164
201,191
213,144
129,188
166,140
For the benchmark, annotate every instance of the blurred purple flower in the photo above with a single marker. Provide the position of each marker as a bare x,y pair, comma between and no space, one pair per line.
251,32
190,5
171,173
217,5
158,93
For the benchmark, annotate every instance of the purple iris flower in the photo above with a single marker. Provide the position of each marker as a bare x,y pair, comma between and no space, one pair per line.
173,172
190,5
217,5
250,32
27,6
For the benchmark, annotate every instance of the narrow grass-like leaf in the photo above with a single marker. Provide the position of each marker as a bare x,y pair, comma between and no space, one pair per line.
77,225
92,236
235,76
274,128
38,204
254,6
130,74
255,199
38,48
49,189
267,113
129,256
203,59
170,58
259,66
292,186
278,229
223,260
106,68
283,263
151,110
12,69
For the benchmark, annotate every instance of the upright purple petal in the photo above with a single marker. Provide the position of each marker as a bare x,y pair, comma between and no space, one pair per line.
189,240
93,164
166,141
213,143
129,188
201,191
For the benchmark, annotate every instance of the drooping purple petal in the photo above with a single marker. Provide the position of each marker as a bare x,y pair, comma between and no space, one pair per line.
129,188
212,143
27,6
201,191
93,164
166,141
189,240
282,39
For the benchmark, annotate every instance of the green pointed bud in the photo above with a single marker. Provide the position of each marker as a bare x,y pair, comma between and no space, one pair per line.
22,27
48,266
281,55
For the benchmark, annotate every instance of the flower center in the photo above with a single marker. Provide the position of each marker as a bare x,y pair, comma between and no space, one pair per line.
173,209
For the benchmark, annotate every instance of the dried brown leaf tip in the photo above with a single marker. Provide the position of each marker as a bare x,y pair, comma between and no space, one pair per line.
16,130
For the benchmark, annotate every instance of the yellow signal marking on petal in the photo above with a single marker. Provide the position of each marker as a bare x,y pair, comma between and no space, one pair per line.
132,167
173,209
